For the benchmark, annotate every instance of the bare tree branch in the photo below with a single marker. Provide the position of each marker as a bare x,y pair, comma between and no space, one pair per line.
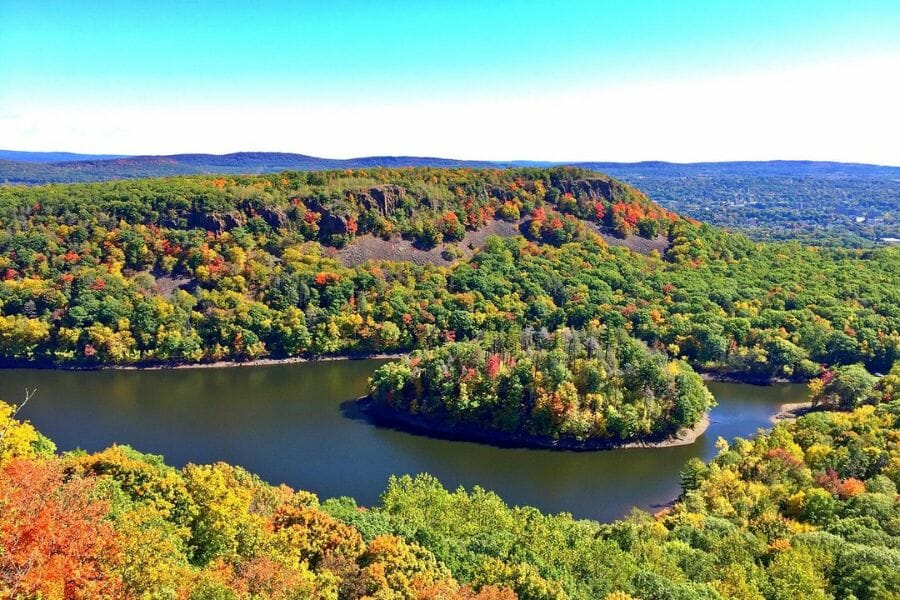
29,394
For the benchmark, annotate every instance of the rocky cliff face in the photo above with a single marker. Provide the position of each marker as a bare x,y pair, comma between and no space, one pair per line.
219,222
216,222
384,198
594,188
273,216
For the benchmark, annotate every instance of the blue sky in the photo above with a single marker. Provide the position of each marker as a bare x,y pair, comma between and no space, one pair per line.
567,80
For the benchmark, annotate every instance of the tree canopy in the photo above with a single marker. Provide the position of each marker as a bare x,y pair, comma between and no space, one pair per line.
579,386
807,510
192,269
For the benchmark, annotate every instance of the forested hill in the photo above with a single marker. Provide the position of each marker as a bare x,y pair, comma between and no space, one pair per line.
67,167
204,268
816,202
548,328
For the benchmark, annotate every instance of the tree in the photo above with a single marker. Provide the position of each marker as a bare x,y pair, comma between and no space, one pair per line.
20,439
56,539
889,385
21,337
845,387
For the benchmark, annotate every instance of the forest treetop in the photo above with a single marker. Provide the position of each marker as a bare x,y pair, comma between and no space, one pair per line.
807,510
203,268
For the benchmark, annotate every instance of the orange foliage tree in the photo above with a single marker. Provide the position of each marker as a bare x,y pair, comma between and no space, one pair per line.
54,537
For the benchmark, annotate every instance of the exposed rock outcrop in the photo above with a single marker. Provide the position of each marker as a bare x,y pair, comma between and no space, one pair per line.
216,222
273,216
595,188
500,193
384,198
330,223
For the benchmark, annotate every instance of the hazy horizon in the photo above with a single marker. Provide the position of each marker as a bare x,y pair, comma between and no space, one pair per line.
574,81
115,156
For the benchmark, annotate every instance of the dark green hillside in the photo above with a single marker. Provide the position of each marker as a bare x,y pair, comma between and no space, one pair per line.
820,203
208,268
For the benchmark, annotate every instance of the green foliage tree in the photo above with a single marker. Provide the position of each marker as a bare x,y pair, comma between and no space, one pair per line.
845,387
584,385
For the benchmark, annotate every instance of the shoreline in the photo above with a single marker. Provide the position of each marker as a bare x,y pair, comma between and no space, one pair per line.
291,360
738,378
218,364
470,433
791,411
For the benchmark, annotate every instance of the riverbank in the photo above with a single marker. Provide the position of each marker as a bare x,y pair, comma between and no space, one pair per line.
469,433
219,364
791,411
741,378
262,362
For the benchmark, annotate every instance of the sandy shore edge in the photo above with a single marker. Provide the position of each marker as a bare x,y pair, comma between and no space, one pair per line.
468,433
219,364
685,437
791,411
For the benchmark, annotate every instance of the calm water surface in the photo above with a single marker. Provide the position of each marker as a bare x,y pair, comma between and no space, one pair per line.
296,424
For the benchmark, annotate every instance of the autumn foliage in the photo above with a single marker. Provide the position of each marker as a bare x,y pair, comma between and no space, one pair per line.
809,506
121,524
55,539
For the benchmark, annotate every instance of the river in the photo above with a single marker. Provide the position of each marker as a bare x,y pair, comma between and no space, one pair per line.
296,423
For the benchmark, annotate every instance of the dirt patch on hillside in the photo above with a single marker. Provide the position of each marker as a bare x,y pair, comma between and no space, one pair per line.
636,243
166,284
475,240
367,247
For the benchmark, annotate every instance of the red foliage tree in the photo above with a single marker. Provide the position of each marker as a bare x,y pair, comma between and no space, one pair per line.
842,488
493,366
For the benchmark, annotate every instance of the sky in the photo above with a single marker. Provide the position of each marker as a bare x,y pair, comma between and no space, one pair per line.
568,80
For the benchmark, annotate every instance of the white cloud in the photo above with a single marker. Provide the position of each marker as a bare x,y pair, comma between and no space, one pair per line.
838,111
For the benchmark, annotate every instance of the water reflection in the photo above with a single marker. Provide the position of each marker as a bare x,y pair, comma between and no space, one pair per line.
290,423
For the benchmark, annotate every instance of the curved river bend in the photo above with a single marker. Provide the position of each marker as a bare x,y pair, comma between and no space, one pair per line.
296,424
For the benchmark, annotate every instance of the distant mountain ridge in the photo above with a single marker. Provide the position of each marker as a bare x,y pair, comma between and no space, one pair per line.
767,168
33,171
59,167
816,201
52,157
279,160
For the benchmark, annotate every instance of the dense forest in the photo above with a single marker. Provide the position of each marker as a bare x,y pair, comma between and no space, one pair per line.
808,510
820,203
578,386
209,268
547,302
202,269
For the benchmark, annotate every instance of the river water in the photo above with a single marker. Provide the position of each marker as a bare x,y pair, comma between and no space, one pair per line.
296,424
